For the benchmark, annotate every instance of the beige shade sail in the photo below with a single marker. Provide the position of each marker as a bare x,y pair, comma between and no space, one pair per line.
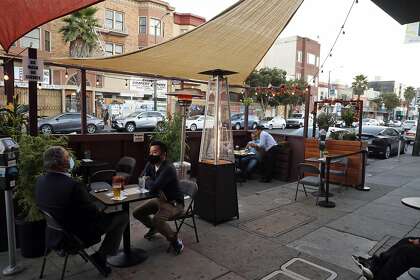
236,40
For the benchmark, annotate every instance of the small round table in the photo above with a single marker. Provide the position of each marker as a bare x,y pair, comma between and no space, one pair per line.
413,202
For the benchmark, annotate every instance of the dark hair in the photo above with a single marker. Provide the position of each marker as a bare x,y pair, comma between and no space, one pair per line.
260,127
161,145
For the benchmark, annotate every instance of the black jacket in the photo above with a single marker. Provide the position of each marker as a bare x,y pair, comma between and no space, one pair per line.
165,180
69,203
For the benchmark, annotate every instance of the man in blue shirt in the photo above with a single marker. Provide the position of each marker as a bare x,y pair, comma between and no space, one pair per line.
269,149
249,163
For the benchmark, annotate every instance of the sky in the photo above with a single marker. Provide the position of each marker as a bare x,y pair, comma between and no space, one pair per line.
373,43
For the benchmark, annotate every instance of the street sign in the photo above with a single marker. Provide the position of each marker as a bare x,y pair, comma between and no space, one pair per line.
33,69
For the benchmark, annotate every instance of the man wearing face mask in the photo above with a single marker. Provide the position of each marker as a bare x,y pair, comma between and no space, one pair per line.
161,178
68,201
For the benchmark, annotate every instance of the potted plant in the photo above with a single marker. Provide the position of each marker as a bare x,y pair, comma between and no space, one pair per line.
30,222
170,134
325,120
347,115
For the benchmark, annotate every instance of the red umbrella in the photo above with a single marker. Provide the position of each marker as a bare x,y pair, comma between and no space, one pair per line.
18,17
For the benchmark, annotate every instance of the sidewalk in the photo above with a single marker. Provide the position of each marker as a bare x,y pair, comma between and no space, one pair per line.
273,230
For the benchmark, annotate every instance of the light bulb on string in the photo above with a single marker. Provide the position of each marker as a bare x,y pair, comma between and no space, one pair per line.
66,75
6,77
39,86
97,81
344,32
126,83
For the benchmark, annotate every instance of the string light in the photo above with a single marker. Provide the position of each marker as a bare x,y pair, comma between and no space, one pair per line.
66,75
341,32
39,86
126,83
97,81
6,77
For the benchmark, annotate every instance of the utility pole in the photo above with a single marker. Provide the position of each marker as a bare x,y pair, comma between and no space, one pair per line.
155,95
416,146
329,84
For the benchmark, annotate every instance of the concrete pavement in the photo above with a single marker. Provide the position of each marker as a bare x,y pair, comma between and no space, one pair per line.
276,237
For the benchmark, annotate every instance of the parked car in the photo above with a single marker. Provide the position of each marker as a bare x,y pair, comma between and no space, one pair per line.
394,123
383,140
238,121
69,123
298,120
410,135
367,122
197,122
408,124
276,122
139,120
299,132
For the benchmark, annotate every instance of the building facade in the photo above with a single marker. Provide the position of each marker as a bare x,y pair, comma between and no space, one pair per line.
124,26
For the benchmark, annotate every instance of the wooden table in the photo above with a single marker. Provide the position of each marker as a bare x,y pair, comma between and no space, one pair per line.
128,256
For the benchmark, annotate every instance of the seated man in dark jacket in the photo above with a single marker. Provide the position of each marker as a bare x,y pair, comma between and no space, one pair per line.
161,178
69,203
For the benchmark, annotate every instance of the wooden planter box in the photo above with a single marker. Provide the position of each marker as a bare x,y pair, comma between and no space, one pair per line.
339,147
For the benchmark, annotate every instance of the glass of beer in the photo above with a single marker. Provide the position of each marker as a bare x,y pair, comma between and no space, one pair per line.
117,183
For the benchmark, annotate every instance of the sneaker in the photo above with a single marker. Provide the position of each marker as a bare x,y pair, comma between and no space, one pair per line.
366,265
150,234
100,261
178,246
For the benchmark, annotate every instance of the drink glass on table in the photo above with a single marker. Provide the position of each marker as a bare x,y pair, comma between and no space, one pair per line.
116,190
142,184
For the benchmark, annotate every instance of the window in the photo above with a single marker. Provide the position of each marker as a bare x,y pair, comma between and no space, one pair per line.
47,41
300,56
311,59
114,20
155,27
111,49
298,76
142,25
32,38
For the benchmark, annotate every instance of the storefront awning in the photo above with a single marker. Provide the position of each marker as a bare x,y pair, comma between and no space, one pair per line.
236,40
403,11
18,17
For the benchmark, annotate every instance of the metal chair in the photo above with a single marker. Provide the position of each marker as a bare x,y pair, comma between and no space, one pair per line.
190,189
71,245
343,164
125,168
98,179
314,181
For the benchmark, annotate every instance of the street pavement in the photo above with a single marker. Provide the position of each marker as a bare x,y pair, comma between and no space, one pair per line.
276,237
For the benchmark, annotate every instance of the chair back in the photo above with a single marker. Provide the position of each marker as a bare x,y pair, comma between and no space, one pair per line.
307,168
103,176
127,165
189,188
51,222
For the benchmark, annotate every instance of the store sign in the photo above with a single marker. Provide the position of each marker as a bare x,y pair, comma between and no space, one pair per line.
19,75
144,86
33,69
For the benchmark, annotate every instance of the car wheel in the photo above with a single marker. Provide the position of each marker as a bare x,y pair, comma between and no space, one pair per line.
238,126
387,153
193,127
159,126
130,127
270,126
91,129
254,126
46,129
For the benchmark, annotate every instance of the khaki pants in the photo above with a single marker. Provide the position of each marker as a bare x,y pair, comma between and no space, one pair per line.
162,211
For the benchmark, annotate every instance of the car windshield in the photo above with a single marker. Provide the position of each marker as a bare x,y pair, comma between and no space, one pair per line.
267,119
133,115
372,130
410,122
296,116
194,117
236,116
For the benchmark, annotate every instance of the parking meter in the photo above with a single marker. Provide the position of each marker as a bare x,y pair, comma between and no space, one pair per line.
9,151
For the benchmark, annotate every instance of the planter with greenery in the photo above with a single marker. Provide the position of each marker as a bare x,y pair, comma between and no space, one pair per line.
30,222
325,120
347,115
170,134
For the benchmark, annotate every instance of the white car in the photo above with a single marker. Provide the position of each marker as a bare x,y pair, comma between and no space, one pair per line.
408,124
276,122
197,122
367,122
410,135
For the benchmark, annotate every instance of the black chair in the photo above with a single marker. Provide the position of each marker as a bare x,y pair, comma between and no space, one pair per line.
125,168
189,189
70,245
342,164
101,179
314,181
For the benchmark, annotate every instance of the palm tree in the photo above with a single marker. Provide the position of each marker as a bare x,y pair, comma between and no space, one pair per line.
359,85
409,95
79,31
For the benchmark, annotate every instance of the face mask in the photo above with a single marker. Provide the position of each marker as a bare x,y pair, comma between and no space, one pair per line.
71,164
154,159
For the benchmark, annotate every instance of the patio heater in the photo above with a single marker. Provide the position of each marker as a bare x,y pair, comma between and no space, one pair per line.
185,97
217,199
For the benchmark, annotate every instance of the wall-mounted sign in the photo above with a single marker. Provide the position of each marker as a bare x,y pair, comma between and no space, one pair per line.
144,86
33,69
19,75
138,137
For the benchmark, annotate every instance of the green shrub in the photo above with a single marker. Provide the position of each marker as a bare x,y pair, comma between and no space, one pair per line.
170,134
